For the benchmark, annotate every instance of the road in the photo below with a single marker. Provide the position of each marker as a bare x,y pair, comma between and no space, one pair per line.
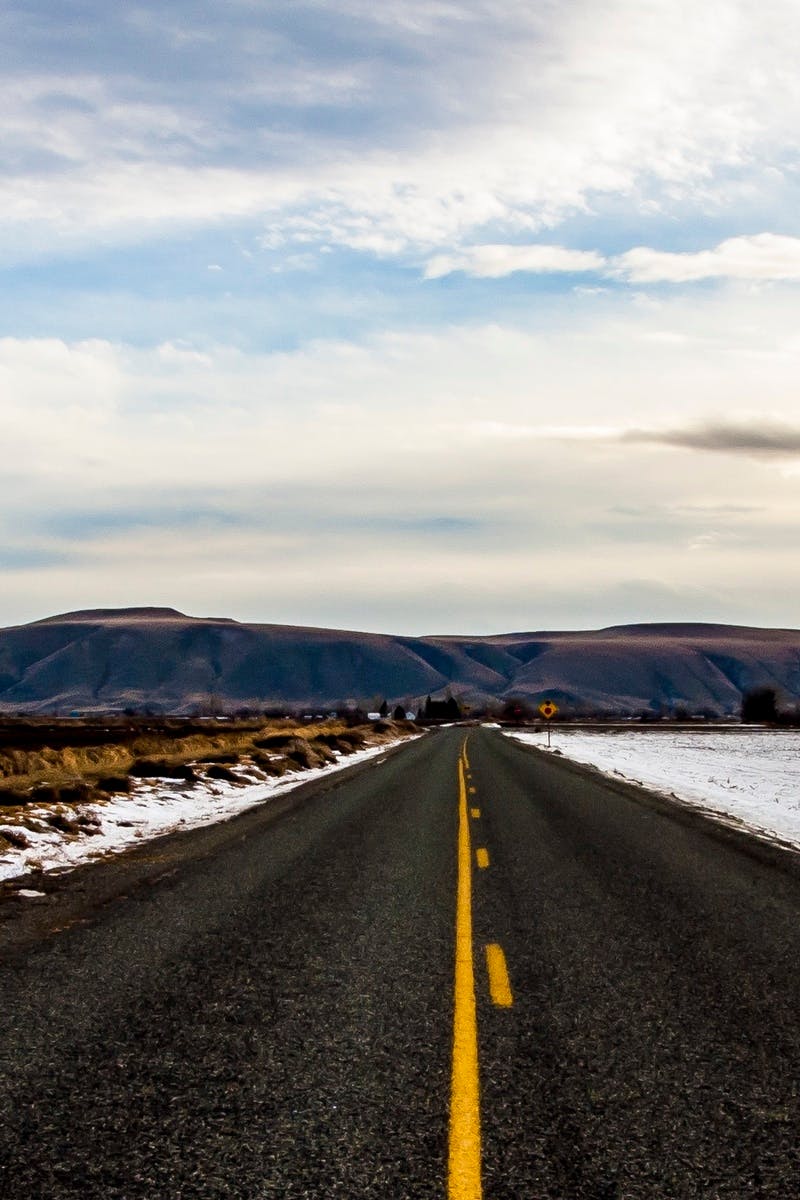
306,1008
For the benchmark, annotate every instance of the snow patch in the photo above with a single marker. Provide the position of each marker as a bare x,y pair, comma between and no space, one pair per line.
153,807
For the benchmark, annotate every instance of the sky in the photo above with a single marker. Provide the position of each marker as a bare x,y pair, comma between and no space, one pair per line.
426,317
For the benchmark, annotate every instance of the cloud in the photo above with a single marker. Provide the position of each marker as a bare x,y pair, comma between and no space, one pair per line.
761,256
493,261
758,439
388,133
479,460
711,541
502,430
19,558
413,446
101,522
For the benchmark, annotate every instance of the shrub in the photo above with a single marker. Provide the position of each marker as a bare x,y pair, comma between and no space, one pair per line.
759,706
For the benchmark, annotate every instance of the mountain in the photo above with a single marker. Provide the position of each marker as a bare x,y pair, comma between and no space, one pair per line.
105,660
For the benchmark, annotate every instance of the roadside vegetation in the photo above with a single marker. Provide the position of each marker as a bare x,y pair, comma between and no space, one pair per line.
64,764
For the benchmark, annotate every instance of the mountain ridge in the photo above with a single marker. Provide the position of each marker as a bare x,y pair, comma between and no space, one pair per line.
105,660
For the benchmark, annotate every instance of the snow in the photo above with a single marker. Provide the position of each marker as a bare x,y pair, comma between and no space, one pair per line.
153,807
748,777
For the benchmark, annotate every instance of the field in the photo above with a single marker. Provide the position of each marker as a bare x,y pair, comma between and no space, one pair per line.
64,752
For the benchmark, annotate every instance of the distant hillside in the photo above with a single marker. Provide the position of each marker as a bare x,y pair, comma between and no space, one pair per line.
111,659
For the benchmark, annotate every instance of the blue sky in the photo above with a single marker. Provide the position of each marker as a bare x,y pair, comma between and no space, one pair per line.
441,316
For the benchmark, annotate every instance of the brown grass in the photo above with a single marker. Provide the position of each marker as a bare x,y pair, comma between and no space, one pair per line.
21,769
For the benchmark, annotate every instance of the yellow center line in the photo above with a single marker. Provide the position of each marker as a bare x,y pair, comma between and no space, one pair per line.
475,813
464,1161
499,985
482,857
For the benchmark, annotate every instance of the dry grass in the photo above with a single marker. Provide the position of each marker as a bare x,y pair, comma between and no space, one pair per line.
21,769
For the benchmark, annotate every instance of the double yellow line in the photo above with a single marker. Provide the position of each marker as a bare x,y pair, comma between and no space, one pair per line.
464,1166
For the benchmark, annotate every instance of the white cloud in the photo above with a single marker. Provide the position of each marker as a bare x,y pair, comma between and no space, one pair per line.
711,541
493,261
469,115
504,431
453,134
399,406
755,257
761,256
218,476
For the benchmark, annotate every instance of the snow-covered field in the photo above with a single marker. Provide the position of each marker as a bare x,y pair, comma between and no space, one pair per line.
749,775
154,807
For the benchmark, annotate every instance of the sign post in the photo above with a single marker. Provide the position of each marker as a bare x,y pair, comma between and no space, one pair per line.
548,710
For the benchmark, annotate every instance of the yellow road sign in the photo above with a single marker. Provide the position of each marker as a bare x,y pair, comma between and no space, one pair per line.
548,709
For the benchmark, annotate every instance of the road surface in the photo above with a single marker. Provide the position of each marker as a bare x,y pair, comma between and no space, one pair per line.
305,1006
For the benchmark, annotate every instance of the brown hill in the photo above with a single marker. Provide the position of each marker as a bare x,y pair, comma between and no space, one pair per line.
110,659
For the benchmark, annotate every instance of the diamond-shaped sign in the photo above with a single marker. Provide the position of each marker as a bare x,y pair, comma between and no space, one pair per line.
548,709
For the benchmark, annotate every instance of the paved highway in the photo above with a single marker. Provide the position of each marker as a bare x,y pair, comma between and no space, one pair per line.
467,971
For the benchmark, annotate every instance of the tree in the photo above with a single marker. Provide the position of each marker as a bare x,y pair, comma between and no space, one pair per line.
399,713
384,708
759,706
516,709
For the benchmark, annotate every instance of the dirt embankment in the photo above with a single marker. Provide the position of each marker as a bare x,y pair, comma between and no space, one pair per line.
64,765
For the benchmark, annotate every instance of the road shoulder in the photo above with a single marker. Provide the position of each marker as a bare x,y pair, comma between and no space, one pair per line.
771,851
77,895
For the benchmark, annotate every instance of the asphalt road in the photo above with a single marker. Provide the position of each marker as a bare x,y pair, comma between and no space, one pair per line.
272,1014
